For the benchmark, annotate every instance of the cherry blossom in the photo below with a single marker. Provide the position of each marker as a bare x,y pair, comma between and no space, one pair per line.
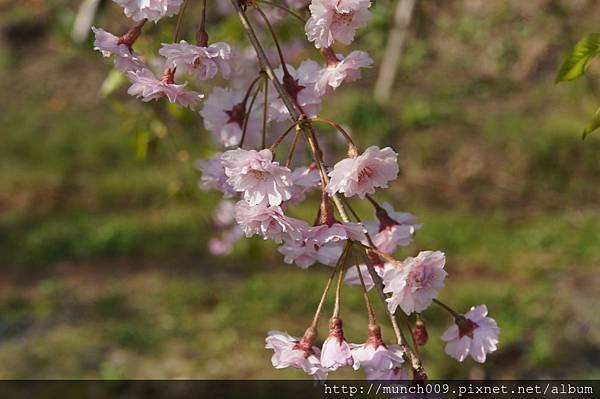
294,352
203,62
301,86
111,45
268,221
223,114
147,87
152,10
213,175
340,69
336,20
223,215
473,334
392,228
362,174
256,175
415,282
336,352
374,354
222,243
321,243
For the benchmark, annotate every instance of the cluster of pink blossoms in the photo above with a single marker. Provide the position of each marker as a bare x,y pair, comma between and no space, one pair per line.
260,189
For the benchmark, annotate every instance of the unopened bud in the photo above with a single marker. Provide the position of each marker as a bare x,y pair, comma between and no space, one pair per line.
420,333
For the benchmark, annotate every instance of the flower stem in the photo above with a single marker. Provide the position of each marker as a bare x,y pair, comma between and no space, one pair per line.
338,291
284,8
263,143
179,21
340,261
283,136
247,118
292,150
370,312
339,128
447,308
274,36
201,34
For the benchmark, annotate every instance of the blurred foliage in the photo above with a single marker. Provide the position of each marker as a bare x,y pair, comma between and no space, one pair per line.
105,272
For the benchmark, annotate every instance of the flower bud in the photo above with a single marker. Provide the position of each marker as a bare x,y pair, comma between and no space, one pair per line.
420,333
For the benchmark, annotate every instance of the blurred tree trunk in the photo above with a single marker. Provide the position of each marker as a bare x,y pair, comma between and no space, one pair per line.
84,20
393,50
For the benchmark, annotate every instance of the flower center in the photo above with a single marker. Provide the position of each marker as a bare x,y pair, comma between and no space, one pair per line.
466,327
236,114
259,174
418,278
365,173
343,18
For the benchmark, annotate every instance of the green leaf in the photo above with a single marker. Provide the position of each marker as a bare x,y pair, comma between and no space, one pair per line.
593,125
580,57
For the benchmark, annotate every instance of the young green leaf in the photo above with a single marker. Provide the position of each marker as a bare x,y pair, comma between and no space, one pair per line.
580,57
593,125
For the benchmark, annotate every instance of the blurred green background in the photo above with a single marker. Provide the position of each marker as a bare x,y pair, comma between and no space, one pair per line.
104,271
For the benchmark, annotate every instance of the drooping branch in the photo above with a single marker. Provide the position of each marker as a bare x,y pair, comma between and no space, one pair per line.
296,114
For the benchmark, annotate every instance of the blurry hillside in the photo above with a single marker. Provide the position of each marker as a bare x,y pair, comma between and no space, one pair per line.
104,270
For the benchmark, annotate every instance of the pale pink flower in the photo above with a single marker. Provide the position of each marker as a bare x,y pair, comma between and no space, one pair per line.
301,87
294,352
223,114
322,243
473,334
336,20
304,179
147,87
111,45
415,282
256,175
213,175
340,69
268,221
203,62
374,354
223,243
336,352
391,229
153,10
223,214
361,175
